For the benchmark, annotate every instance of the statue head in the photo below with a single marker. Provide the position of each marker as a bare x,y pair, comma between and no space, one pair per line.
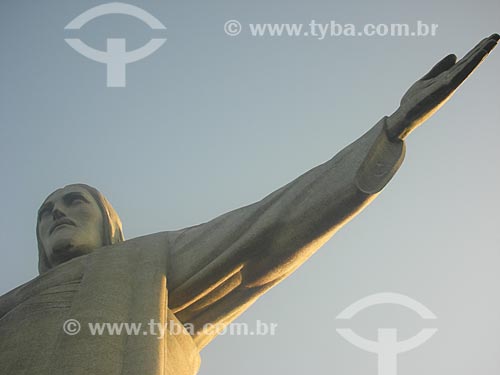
73,221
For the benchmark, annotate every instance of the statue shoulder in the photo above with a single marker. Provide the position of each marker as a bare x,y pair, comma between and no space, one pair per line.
66,273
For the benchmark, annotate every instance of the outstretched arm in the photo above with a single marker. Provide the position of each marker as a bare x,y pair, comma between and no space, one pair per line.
217,269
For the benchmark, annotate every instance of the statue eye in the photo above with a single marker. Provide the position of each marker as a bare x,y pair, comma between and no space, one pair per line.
45,211
75,199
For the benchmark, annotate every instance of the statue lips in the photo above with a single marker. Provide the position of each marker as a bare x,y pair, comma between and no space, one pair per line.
60,222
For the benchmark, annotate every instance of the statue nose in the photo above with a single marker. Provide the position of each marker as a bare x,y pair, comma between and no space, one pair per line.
57,214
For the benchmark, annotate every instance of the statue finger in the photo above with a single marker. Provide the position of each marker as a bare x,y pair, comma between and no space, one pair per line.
495,37
440,67
466,66
481,45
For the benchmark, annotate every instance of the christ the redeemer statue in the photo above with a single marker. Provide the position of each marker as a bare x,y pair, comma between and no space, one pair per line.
209,273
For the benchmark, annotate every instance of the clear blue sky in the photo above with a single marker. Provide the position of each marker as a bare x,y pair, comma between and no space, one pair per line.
210,122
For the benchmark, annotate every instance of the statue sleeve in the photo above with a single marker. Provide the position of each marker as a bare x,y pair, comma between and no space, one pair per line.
218,269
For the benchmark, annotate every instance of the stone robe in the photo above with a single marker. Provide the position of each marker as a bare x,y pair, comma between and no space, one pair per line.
208,273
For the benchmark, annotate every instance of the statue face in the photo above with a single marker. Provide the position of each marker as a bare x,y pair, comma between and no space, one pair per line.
70,224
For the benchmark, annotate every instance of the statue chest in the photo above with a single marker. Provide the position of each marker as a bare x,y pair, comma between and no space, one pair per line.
122,284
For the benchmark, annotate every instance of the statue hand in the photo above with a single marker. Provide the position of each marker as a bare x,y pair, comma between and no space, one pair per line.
430,92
